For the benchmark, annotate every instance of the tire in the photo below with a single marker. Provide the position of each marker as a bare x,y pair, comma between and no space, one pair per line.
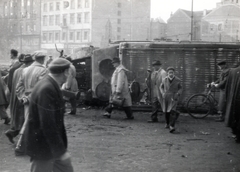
199,106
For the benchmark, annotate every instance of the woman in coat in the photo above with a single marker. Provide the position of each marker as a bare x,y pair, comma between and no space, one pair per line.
171,90
120,89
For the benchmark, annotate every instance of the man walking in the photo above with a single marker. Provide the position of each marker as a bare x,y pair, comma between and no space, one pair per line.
16,107
220,84
157,77
171,90
45,134
29,78
120,89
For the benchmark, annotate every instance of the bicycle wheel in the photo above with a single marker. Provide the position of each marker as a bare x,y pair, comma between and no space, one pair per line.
198,106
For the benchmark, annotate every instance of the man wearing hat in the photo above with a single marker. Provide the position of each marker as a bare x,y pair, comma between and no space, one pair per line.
16,107
45,134
120,89
220,84
171,90
156,79
28,79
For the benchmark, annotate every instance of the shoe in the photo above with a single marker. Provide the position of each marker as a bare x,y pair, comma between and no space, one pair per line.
171,129
19,152
7,120
129,118
152,121
166,126
106,114
9,136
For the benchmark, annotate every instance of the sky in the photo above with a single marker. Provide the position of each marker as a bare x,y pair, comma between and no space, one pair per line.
163,8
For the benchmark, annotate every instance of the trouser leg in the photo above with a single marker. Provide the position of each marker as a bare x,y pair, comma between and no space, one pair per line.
155,104
128,111
62,165
73,103
167,117
173,117
13,133
40,165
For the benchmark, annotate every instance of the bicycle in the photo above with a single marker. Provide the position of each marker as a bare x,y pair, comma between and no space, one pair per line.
201,105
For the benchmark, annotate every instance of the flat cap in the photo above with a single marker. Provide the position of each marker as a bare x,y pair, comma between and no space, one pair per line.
39,54
170,68
115,60
222,63
156,62
58,65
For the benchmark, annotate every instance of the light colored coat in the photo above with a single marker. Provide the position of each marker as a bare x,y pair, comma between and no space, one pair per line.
119,83
30,76
171,93
156,80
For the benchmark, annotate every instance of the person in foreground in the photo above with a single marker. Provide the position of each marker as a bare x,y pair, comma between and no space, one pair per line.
120,89
45,134
171,90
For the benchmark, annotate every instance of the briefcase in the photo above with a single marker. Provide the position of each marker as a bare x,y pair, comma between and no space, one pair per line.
117,101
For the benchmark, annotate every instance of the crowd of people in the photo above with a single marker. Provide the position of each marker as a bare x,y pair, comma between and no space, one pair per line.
36,92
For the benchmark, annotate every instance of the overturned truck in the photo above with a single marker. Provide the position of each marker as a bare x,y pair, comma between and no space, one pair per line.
195,64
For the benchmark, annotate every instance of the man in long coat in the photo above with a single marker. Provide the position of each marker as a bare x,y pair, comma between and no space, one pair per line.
157,77
29,78
45,134
120,89
3,101
232,114
16,107
220,84
171,90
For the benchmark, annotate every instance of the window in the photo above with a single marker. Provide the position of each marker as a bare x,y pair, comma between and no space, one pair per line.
51,6
79,4
51,17
44,37
72,18
57,20
86,3
45,7
86,17
119,29
22,3
45,21
119,21
50,37
78,38
57,6
71,37
56,36
79,18
72,4
119,13
86,35
118,37
64,19
119,5
28,2
5,9
220,27
63,36
34,28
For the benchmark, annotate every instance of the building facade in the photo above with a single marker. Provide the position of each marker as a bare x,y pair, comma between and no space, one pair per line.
21,24
222,24
74,25
158,29
179,25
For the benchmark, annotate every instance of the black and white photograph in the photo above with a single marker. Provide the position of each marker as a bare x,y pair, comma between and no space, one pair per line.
120,86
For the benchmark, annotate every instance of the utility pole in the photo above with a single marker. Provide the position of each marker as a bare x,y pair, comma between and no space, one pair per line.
192,23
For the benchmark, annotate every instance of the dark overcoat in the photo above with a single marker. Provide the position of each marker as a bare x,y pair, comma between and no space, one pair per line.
171,92
15,106
232,114
3,98
45,134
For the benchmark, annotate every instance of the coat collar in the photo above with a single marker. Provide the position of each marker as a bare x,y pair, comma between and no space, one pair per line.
37,64
55,84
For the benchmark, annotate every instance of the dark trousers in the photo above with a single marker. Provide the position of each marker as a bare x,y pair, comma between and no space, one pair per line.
12,132
73,103
171,118
127,110
155,106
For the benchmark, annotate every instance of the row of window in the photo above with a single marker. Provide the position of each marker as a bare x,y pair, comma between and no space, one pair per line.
72,18
57,6
63,36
